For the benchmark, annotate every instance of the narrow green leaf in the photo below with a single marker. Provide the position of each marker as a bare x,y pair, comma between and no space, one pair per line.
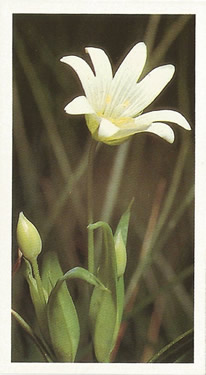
62,316
124,223
26,327
40,308
63,323
174,350
103,312
107,271
120,306
122,228
61,309
51,271
83,274
103,306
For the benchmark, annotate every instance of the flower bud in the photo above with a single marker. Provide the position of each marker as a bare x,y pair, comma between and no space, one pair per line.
28,238
121,254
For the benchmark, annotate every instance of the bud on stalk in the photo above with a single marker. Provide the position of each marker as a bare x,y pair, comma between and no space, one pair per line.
28,238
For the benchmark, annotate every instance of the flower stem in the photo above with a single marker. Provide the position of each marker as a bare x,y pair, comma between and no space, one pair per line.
90,206
38,280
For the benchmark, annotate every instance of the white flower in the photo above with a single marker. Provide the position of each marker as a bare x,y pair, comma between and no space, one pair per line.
113,105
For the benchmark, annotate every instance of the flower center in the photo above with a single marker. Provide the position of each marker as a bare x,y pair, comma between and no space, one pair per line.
121,122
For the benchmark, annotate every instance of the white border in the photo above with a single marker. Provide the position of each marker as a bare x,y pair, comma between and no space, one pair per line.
121,7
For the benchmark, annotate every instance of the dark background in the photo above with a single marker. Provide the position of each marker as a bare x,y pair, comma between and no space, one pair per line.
50,150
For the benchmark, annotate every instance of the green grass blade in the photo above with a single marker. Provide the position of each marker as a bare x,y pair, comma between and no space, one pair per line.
176,349
26,327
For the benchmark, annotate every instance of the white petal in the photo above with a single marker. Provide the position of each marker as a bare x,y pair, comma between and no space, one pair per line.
133,63
162,130
107,129
100,62
79,106
127,76
143,121
84,72
103,72
149,88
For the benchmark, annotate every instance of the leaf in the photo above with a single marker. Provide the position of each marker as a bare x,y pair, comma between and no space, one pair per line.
63,323
103,306
106,311
122,228
63,319
103,315
176,349
26,327
107,272
83,274
124,223
120,306
40,308
51,271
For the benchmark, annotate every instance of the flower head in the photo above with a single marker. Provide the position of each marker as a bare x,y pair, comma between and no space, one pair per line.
114,105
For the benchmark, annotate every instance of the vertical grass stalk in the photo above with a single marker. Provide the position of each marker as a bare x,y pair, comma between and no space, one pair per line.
90,206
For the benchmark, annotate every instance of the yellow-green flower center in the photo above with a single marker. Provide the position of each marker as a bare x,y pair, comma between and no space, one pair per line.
120,122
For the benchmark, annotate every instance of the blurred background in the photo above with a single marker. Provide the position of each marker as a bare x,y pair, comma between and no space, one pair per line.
50,150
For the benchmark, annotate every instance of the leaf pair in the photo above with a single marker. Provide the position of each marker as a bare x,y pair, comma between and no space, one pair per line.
106,308
57,318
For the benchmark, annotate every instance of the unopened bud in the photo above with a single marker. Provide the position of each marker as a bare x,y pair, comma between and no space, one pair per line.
28,238
121,254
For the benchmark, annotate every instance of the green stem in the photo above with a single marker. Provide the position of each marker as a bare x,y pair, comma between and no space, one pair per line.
90,206
35,268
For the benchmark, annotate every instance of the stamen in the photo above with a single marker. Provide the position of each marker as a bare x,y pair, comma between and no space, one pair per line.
108,99
126,103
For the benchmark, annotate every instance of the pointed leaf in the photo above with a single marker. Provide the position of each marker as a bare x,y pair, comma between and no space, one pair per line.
103,306
51,270
103,315
124,223
108,270
63,323
40,308
62,317
83,274
174,350
120,306
121,232
26,327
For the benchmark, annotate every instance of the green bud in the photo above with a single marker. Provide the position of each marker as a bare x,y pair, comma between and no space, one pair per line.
28,238
121,254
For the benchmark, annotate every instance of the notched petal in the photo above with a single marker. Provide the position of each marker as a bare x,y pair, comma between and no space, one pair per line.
100,62
83,70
